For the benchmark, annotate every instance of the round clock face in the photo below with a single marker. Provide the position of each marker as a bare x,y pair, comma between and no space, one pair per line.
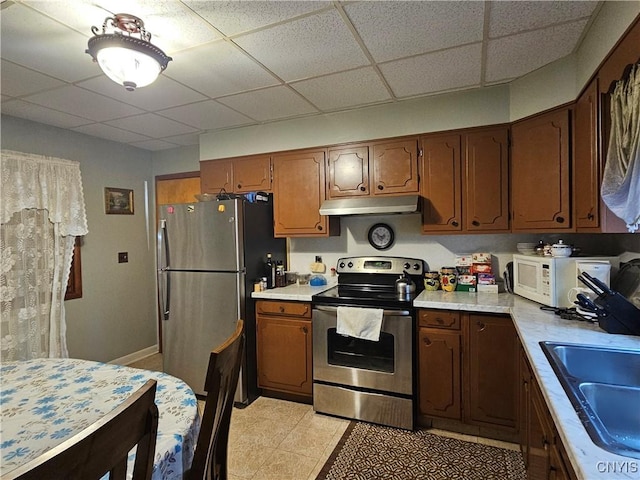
381,236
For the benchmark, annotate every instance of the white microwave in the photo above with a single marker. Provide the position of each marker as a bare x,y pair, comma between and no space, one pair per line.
547,280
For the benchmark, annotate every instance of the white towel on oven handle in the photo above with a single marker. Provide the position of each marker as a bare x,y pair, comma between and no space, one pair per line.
364,323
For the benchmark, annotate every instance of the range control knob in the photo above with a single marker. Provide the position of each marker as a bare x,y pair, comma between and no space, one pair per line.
350,264
407,265
416,266
341,265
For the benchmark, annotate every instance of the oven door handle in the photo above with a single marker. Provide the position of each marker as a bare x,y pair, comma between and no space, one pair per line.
385,313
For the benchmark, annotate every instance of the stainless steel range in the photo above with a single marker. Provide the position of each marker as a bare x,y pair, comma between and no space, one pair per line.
362,378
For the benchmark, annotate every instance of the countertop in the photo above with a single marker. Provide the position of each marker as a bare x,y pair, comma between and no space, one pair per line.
533,326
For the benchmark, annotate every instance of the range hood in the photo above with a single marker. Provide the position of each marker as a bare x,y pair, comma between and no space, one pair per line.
370,205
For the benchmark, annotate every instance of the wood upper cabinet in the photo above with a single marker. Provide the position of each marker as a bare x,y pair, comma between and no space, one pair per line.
215,176
236,175
299,190
439,364
348,171
486,180
586,176
382,168
394,167
540,183
492,369
441,183
284,347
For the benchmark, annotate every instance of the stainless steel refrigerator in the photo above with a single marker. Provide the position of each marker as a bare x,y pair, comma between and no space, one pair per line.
209,256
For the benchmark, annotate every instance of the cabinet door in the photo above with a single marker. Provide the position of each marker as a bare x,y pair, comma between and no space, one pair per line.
539,436
439,380
586,186
486,180
540,173
215,176
251,174
441,184
348,171
395,167
284,354
524,412
298,193
492,366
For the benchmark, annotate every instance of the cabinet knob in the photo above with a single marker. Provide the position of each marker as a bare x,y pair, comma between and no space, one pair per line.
320,227
475,223
239,186
426,341
455,223
380,187
362,189
560,219
481,326
590,216
281,309
440,320
305,330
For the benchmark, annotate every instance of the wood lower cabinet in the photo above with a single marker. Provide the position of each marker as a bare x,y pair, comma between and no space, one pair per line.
439,364
284,347
468,371
492,369
540,182
544,454
299,190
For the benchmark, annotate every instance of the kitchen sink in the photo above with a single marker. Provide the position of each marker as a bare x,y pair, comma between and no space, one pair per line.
603,385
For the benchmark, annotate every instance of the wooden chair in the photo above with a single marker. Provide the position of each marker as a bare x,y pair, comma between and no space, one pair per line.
210,458
104,446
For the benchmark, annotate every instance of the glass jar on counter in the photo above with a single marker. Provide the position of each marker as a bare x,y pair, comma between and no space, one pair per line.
280,276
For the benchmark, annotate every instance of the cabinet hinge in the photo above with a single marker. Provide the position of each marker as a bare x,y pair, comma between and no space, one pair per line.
419,152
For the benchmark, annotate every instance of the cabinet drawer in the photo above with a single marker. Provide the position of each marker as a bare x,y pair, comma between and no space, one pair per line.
296,309
439,319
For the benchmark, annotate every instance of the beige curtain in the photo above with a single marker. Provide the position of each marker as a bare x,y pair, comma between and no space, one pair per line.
42,211
621,180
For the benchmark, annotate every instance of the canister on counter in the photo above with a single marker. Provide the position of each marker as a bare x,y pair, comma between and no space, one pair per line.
431,281
448,278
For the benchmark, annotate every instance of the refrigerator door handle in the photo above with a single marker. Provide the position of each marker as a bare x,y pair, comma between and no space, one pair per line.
164,295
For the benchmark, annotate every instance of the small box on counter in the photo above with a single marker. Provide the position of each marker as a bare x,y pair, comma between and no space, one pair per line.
466,283
487,288
481,268
486,279
464,260
481,258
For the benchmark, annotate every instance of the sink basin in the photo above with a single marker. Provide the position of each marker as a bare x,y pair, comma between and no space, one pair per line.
603,385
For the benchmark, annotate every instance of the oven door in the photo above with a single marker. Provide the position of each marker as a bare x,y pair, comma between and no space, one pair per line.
385,365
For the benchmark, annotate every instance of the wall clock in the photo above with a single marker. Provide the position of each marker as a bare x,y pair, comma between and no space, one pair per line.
381,236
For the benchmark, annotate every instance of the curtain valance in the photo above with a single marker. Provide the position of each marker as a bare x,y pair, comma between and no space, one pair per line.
52,184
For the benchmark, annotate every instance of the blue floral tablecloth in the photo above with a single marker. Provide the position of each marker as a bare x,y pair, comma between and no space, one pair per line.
45,401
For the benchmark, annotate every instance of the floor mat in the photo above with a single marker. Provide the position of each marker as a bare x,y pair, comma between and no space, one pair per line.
368,451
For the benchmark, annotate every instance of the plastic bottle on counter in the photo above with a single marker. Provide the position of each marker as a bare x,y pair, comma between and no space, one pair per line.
270,271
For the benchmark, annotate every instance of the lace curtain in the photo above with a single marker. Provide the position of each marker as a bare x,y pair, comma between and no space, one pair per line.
621,180
42,211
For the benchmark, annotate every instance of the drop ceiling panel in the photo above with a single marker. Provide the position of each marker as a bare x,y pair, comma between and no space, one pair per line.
163,93
207,115
311,46
17,81
37,42
154,145
511,17
236,17
269,104
434,72
184,140
218,69
343,90
392,30
80,102
110,133
152,125
37,113
516,55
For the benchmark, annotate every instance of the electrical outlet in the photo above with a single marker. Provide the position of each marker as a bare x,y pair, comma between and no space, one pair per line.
123,257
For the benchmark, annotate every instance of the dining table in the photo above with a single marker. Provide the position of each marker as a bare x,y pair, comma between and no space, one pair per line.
46,401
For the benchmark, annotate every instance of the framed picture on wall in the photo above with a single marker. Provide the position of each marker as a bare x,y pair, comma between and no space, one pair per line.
118,201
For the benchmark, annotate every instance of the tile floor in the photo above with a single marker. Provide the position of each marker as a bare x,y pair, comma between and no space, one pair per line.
278,440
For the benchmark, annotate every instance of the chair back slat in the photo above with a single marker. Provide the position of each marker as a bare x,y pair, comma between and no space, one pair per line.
210,458
104,446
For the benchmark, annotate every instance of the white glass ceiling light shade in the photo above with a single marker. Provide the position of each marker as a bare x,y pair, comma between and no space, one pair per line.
130,61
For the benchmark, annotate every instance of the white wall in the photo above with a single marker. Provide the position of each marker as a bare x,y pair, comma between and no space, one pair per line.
116,315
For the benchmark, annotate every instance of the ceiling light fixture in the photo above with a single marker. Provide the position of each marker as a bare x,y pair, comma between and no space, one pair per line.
130,61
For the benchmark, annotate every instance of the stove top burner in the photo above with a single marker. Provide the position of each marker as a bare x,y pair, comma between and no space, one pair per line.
370,282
